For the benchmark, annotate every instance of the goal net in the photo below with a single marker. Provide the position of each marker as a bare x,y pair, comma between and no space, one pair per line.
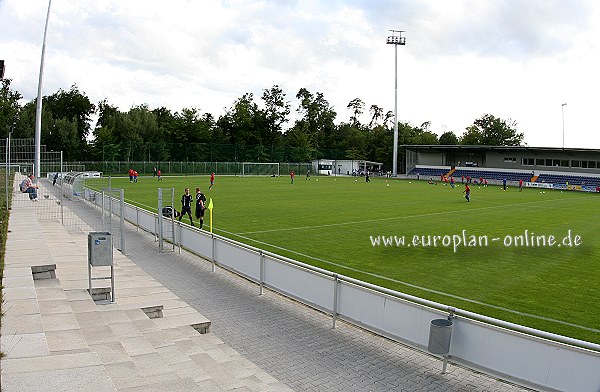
260,169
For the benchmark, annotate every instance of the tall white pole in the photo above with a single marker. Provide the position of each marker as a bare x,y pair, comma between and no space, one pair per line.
396,39
395,163
38,110
562,107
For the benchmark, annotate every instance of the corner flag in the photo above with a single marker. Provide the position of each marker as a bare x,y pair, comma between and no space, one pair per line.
210,208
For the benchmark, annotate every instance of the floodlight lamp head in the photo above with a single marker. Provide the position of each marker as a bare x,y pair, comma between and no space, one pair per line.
396,39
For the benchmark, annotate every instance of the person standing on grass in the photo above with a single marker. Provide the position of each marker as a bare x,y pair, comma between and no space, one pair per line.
467,192
367,179
504,183
292,176
154,172
130,175
158,173
186,205
212,182
520,185
200,206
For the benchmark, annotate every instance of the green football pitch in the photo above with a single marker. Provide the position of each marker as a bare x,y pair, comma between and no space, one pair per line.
529,257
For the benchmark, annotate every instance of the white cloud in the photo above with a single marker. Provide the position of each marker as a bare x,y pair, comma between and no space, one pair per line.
463,58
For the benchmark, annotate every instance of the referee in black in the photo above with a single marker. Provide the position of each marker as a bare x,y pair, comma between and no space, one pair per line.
186,205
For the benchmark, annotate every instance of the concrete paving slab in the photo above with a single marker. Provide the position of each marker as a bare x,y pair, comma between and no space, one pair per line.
153,365
163,337
52,306
50,293
179,385
59,322
21,307
125,374
39,283
125,330
90,319
54,362
18,281
99,334
24,345
210,385
77,294
82,306
115,316
91,379
16,293
21,324
110,352
66,340
189,368
12,271
137,346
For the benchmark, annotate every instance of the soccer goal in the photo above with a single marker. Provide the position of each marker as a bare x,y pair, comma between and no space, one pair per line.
260,169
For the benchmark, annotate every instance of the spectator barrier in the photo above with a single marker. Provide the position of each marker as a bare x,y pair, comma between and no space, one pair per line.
517,353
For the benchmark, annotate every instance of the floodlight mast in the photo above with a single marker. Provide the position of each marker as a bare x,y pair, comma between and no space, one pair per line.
563,122
38,108
396,39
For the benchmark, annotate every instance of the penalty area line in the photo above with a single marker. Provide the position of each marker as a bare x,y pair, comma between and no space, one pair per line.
535,316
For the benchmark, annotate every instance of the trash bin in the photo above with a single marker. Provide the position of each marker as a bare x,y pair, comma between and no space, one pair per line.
100,251
440,333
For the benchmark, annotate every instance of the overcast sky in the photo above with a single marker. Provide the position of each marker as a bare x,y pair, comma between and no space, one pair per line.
515,59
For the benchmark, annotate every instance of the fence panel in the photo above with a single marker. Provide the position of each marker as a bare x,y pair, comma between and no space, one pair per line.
525,358
310,287
242,260
194,240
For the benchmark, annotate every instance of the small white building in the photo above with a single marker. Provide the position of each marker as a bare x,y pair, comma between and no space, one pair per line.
345,167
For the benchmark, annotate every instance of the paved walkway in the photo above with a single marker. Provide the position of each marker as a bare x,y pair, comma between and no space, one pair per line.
56,338
294,345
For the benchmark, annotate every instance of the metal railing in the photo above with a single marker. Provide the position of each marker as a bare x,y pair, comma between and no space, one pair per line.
527,355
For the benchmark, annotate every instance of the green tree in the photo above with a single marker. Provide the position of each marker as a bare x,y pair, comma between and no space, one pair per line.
357,106
471,137
9,107
277,110
493,131
317,118
73,105
388,120
376,114
448,138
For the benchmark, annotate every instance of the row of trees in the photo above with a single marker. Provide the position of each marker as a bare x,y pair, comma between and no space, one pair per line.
246,131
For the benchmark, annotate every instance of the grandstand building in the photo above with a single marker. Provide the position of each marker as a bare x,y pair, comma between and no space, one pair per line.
563,167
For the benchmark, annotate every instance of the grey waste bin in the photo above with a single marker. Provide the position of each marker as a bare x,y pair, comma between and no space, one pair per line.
100,249
440,333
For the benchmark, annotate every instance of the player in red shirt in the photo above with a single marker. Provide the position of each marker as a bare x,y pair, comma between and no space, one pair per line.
212,181
520,185
130,175
292,176
467,192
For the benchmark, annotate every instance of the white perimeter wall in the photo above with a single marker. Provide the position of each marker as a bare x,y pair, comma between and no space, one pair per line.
517,356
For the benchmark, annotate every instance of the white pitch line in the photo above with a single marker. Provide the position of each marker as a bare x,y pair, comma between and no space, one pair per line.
420,287
390,218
